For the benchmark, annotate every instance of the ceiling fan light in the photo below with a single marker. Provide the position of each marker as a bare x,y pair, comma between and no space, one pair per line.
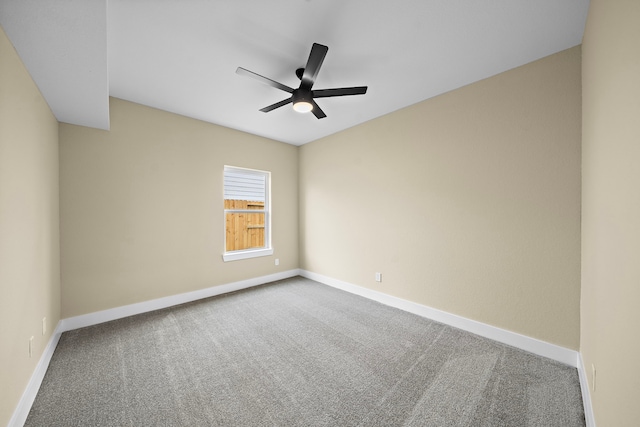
302,106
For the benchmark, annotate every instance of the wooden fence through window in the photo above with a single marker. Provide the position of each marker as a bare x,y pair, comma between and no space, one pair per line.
244,230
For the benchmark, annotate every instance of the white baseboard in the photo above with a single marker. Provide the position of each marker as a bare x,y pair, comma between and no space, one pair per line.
24,405
98,317
532,345
586,394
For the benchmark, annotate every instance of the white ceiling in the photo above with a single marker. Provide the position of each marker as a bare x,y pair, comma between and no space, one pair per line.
181,55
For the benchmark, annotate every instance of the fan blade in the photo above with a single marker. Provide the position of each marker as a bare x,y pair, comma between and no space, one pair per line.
273,83
316,57
317,111
276,105
324,93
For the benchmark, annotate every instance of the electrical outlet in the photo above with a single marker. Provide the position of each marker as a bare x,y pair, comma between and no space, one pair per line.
593,377
30,346
44,325
277,261
378,277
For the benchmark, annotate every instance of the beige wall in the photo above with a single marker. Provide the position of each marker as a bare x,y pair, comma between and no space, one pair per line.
142,212
468,202
611,209
29,239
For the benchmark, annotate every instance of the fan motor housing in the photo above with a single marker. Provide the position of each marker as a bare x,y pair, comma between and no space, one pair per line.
301,95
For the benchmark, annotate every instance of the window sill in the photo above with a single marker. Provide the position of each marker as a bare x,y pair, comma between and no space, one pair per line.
250,253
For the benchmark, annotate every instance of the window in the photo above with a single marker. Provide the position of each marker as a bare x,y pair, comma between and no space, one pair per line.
246,213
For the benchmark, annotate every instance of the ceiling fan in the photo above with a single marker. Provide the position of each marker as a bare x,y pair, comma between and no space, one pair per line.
303,97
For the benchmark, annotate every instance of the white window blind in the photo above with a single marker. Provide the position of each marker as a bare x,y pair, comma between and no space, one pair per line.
245,185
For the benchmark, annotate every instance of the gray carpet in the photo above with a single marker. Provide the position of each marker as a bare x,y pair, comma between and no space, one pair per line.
297,353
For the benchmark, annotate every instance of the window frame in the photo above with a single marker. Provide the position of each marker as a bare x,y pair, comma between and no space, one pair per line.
252,252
